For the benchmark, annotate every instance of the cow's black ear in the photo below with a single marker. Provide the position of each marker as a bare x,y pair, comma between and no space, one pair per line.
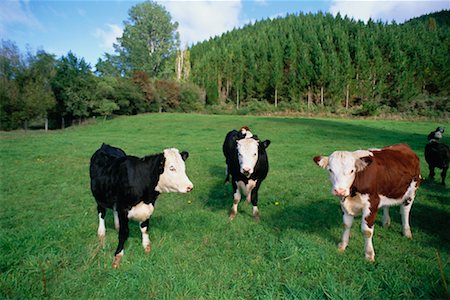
184,155
162,162
265,144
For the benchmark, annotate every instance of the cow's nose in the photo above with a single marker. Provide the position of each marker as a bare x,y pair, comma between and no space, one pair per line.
189,188
339,192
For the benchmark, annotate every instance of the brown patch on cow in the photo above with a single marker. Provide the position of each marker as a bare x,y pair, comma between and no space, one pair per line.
245,128
390,173
148,248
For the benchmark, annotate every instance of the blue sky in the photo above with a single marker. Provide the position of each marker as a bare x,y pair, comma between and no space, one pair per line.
89,28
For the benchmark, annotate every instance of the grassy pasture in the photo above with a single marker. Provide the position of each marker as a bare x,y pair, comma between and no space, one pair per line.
48,218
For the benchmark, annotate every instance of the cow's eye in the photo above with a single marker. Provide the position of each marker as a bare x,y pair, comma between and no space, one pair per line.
254,154
172,168
331,171
351,172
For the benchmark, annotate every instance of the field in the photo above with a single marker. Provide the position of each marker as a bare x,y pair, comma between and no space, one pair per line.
48,234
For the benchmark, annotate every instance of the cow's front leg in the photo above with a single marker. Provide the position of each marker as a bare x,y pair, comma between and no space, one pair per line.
431,175
116,218
249,188
236,199
254,199
386,217
145,238
348,221
123,236
367,227
101,224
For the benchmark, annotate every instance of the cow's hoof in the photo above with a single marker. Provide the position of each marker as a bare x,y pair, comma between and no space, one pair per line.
341,247
148,249
407,233
101,240
370,257
116,261
256,218
232,215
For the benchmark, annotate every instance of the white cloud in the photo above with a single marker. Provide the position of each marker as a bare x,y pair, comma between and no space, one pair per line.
13,13
387,11
108,37
200,20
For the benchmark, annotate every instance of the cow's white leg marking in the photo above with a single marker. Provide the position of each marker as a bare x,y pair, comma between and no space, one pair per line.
405,208
101,227
404,211
237,198
369,252
348,221
386,217
145,239
116,219
256,213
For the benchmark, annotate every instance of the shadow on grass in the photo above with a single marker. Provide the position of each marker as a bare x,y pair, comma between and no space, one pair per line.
331,130
431,214
220,195
318,217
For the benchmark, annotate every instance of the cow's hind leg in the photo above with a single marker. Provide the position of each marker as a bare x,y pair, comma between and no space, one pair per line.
145,238
405,209
386,217
123,236
348,221
101,223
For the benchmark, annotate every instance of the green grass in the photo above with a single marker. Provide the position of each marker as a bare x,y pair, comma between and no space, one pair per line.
48,234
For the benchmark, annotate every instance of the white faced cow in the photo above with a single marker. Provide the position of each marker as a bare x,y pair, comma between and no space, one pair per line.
247,164
366,180
130,185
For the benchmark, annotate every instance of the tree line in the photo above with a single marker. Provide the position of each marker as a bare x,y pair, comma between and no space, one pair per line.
296,63
311,60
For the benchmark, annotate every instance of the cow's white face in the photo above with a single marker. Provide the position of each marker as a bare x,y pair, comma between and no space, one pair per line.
174,178
438,135
247,155
342,167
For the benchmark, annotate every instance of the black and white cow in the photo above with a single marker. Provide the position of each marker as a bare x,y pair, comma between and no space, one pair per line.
129,185
248,165
437,154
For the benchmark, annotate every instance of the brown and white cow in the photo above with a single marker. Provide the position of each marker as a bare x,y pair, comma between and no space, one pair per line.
366,180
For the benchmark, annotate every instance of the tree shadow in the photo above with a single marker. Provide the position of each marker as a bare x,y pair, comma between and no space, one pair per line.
348,134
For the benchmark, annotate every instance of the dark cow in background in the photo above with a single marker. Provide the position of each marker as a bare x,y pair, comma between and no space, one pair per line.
366,180
247,163
130,185
437,154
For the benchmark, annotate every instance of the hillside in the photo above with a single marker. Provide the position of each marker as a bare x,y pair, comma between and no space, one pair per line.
301,60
